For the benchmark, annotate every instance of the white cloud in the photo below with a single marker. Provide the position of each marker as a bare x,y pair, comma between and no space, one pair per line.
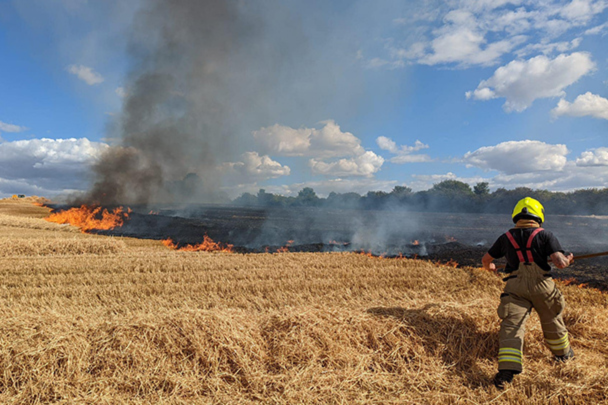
86,74
537,165
404,152
587,104
50,164
466,33
254,167
571,177
518,157
329,141
522,82
582,10
365,164
598,29
549,48
467,47
4,127
594,157
426,181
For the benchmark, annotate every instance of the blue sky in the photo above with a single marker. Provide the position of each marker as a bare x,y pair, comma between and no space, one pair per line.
370,95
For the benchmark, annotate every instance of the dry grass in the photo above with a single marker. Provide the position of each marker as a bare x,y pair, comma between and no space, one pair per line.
150,325
33,223
13,247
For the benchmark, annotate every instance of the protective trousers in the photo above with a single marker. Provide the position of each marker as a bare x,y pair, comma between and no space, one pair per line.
530,287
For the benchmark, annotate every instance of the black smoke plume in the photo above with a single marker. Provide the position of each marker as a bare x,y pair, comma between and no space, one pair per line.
202,75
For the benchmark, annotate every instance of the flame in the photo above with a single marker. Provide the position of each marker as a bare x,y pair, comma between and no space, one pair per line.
285,248
152,212
37,204
207,245
450,239
335,242
370,254
91,218
573,282
451,263
415,243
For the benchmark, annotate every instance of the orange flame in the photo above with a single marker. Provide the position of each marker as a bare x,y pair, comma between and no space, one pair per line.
285,248
91,218
450,239
152,212
207,245
370,254
415,243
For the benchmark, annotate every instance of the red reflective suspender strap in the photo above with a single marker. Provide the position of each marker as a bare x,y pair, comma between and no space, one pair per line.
529,244
516,246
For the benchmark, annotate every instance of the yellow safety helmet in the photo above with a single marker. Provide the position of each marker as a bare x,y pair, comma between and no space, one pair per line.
529,208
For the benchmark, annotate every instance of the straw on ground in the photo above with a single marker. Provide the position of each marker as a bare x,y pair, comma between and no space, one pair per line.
139,323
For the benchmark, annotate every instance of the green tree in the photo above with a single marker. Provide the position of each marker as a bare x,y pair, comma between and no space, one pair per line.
401,191
453,188
482,188
307,197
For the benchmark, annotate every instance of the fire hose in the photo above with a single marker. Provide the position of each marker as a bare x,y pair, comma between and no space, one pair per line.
587,256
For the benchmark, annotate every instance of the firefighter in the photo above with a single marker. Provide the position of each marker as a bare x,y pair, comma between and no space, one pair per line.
529,285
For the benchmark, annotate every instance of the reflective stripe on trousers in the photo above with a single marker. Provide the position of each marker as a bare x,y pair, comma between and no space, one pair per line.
530,288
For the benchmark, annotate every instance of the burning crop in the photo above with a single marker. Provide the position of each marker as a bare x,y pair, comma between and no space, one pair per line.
207,245
285,249
89,218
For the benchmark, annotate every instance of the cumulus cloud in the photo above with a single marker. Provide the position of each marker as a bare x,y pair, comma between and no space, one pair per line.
86,74
404,152
12,187
468,33
519,157
571,177
594,157
49,164
522,81
365,165
536,165
4,127
328,141
253,167
587,104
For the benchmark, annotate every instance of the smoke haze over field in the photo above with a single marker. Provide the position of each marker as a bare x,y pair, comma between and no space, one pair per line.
203,75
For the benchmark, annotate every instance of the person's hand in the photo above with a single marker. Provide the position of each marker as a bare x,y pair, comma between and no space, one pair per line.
570,258
492,267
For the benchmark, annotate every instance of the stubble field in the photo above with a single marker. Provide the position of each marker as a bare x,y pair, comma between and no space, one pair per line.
98,319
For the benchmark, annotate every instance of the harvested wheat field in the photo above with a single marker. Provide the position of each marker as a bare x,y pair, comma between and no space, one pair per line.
94,319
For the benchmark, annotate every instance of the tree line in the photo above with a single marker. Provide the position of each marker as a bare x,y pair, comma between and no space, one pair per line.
446,196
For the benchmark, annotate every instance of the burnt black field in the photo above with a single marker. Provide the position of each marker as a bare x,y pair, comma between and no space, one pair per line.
463,238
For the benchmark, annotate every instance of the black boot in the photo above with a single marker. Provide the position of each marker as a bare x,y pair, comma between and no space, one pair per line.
568,356
503,376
